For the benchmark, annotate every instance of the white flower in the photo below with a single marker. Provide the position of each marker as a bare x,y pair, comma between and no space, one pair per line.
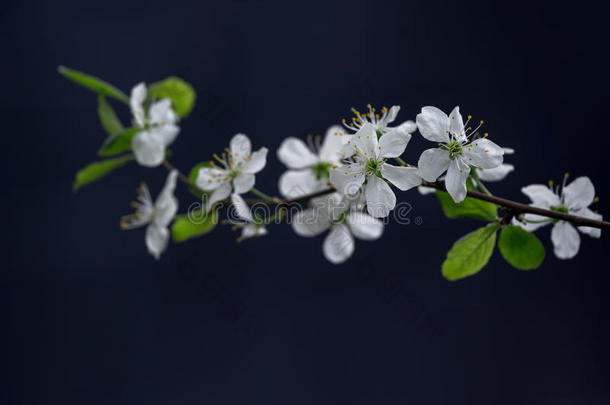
575,199
380,122
249,226
455,153
157,215
495,174
369,165
344,219
239,167
309,164
159,127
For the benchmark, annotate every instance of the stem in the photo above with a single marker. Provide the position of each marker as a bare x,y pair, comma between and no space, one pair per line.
512,207
480,185
400,161
262,195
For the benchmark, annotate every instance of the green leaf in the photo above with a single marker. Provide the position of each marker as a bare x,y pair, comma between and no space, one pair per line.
119,143
97,170
93,83
520,248
194,224
111,123
178,91
193,177
469,208
470,253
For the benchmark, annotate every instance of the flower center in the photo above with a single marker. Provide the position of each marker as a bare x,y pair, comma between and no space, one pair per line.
322,170
373,166
454,148
372,116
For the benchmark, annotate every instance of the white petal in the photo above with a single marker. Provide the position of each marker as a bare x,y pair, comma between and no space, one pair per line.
295,154
432,163
338,245
256,161
243,182
404,178
587,213
433,124
297,183
393,143
579,193
252,230
156,240
222,192
365,141
209,178
495,174
310,222
380,198
541,195
161,113
456,125
364,226
508,151
332,147
241,207
167,132
149,148
537,221
347,179
455,182
566,240
240,147
426,190
166,205
138,95
483,153
389,117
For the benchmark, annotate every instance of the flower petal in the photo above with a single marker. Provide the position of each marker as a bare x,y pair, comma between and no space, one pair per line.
297,183
347,179
338,245
332,147
251,230
241,148
156,240
161,113
310,222
404,178
364,226
149,148
423,190
484,154
138,95
365,141
243,182
455,182
209,178
393,143
241,207
389,117
380,198
579,194
222,192
432,163
495,174
167,132
433,124
256,161
566,240
587,213
166,205
295,154
456,125
541,195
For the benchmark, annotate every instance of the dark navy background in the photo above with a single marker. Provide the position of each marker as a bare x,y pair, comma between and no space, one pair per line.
93,319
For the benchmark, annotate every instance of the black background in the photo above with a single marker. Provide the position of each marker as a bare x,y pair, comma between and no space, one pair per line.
94,319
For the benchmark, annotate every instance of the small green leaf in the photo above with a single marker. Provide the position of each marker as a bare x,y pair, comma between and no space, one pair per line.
97,170
470,253
111,123
193,224
178,91
193,177
469,208
520,248
119,143
93,83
